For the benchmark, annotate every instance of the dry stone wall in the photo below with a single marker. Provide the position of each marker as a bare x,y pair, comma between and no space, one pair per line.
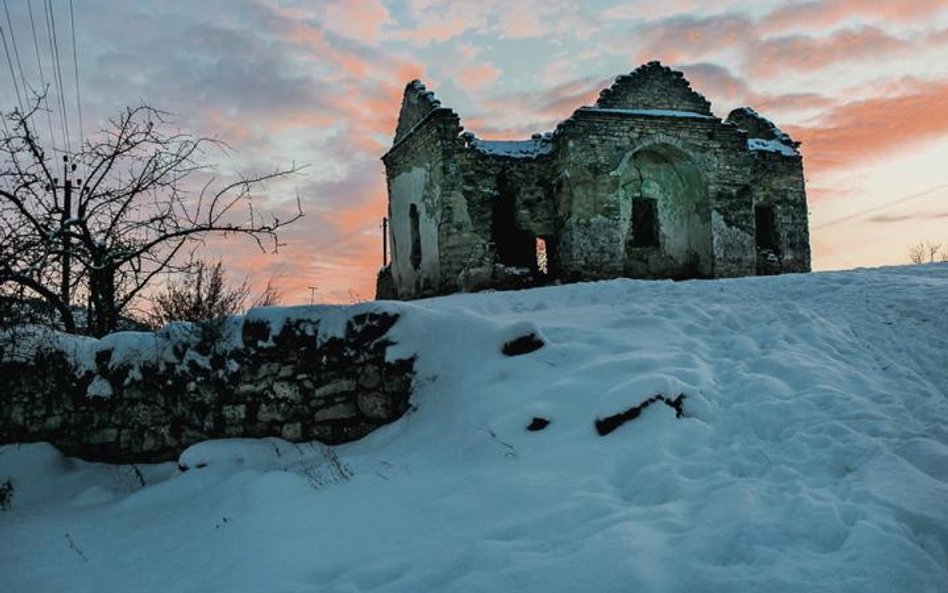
138,397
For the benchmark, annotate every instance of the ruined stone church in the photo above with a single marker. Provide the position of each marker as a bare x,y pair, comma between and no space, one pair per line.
646,183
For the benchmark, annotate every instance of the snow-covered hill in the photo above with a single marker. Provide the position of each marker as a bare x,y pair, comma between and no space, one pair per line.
811,455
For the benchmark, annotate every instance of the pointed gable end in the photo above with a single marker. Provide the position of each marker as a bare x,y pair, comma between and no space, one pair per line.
417,103
653,87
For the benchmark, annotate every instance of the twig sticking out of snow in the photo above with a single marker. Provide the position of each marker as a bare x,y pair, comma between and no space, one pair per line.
75,548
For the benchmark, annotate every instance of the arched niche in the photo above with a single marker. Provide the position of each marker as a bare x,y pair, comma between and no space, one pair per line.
669,222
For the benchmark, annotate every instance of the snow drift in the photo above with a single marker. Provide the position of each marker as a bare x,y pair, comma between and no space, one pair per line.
809,453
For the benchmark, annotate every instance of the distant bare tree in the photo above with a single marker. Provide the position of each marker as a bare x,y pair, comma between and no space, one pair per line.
146,198
926,252
203,294
269,296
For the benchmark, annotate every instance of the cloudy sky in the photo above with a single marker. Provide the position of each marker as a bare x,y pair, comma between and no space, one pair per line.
862,83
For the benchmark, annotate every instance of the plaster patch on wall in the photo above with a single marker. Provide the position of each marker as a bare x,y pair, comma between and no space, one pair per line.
406,189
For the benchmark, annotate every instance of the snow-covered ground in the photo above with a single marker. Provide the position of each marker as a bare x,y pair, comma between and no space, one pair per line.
812,455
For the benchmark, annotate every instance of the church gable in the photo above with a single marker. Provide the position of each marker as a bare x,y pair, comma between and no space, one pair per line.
653,87
417,103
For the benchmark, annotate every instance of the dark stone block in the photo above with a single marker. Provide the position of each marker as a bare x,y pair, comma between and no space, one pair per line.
523,345
255,333
538,424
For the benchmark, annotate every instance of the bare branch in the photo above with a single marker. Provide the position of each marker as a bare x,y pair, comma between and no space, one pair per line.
143,200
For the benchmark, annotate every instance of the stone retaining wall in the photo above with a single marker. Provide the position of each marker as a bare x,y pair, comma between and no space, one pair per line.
143,397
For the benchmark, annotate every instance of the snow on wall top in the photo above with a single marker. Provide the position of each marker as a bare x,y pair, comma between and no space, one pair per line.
763,134
653,86
758,145
649,112
417,103
332,319
537,145
131,348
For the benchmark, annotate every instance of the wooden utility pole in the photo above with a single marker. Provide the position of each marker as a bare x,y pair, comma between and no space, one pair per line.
65,221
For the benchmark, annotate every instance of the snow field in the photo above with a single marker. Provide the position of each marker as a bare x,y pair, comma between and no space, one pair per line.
812,455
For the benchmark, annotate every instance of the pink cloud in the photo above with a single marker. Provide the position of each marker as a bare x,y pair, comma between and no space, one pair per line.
478,76
682,39
520,21
356,19
824,13
790,102
434,28
862,131
773,57
521,114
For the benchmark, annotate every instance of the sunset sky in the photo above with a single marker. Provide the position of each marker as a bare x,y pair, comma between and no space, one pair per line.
862,83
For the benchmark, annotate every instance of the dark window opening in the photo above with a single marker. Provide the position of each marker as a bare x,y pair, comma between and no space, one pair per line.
514,248
415,237
765,228
645,222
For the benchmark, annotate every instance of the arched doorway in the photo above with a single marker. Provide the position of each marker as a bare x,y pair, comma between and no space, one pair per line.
669,221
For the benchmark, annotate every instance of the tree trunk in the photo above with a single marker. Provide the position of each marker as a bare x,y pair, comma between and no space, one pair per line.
102,284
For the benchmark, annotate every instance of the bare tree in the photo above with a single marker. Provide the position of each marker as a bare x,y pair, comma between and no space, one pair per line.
269,296
129,206
203,293
925,252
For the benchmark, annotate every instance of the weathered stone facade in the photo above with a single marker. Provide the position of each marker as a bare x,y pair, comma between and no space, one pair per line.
146,397
647,183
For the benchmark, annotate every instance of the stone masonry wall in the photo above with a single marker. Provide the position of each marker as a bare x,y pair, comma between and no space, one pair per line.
778,182
593,147
138,397
416,174
482,178
650,145
653,86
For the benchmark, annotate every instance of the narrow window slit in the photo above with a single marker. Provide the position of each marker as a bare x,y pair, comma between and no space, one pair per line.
765,229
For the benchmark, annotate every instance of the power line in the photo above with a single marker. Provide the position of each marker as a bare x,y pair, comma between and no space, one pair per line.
75,65
39,63
59,73
16,85
57,70
16,50
6,129
897,201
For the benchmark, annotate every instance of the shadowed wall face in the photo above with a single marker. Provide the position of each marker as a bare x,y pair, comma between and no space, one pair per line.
673,188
